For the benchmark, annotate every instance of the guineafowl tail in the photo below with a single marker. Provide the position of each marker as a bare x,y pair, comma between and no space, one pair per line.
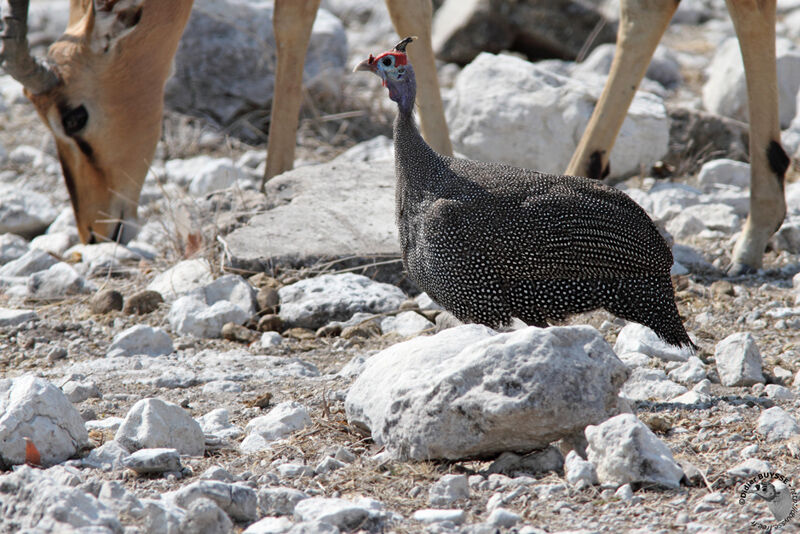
649,301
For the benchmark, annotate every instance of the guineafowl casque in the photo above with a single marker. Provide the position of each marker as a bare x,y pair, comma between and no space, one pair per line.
490,242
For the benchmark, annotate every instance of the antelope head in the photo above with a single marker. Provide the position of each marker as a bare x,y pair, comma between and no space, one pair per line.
100,91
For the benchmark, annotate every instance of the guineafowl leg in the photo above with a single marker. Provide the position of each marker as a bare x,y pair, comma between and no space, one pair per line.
641,25
292,22
755,28
414,17
649,301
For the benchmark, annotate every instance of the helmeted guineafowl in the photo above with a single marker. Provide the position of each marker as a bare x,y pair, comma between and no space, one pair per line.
490,242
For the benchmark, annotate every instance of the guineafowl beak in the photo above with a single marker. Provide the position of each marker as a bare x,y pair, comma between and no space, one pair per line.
369,65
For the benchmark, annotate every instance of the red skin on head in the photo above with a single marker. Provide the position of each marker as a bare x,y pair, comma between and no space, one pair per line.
399,59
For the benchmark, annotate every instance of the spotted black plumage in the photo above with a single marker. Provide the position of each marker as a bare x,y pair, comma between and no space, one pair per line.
490,242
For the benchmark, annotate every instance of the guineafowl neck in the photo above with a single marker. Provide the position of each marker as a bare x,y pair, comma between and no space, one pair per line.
415,161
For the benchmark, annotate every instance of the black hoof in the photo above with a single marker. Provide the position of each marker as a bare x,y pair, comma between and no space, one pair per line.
740,269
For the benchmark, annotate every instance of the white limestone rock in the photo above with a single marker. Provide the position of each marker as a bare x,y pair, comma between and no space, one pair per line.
646,383
140,340
506,109
154,423
724,172
271,525
406,324
775,424
625,451
635,337
749,468
56,243
420,399
205,310
182,278
345,515
78,389
579,472
280,422
217,422
779,393
12,317
738,360
57,282
437,515
690,372
314,302
31,407
205,174
725,92
109,456
447,490
33,261
33,500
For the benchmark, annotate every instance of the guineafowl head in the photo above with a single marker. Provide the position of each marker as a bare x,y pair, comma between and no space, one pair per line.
396,73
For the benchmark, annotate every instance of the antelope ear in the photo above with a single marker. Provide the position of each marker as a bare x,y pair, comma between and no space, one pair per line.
113,20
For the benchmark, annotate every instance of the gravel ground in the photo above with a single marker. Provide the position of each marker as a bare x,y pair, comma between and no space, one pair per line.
712,436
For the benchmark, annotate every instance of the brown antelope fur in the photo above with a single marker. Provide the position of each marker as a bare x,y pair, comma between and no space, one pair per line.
113,59
642,24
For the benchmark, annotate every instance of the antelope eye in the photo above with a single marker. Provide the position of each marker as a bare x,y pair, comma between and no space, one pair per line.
387,61
74,120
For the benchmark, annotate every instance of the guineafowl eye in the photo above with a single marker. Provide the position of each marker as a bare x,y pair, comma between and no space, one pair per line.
388,60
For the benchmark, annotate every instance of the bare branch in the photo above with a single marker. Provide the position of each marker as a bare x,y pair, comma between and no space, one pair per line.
15,55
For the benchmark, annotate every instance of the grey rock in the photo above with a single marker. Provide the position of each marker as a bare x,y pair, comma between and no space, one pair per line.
217,422
625,451
12,247
225,64
536,462
216,472
31,500
312,219
115,496
725,172
462,30
154,423
279,501
691,372
775,424
272,525
239,501
205,174
748,468
292,470
738,360
328,464
78,390
314,302
447,490
205,515
55,242
501,517
270,340
109,456
153,461
25,213
205,310
420,398
33,408
140,340
779,393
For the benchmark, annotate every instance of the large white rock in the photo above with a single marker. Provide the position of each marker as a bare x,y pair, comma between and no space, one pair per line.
776,424
140,339
724,172
12,247
579,472
33,408
635,337
33,261
738,360
344,514
406,324
205,310
34,500
56,282
279,501
447,490
314,302
280,422
182,278
154,423
225,64
508,110
469,391
12,317
725,92
625,451
689,373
